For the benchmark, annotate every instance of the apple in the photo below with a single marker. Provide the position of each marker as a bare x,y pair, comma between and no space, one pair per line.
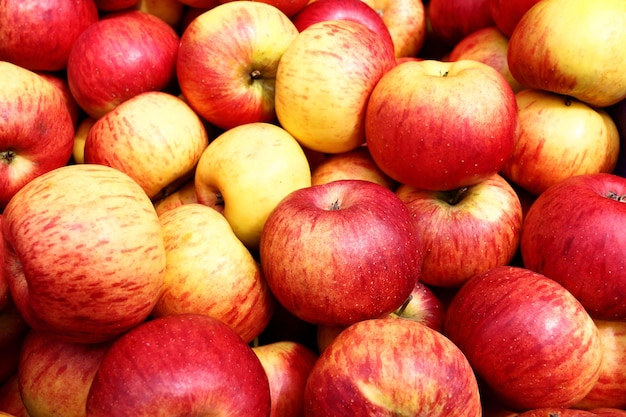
391,367
489,46
289,7
545,53
120,56
506,14
209,271
287,365
608,412
559,137
441,125
170,11
60,81
452,20
248,169
556,412
618,113
154,137
37,133
10,401
54,376
80,138
84,253
526,337
355,10
227,62
115,5
35,34
340,252
572,234
188,364
465,231
184,195
356,164
333,61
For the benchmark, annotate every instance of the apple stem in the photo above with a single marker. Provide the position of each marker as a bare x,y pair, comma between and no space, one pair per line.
255,74
404,305
568,101
614,196
457,195
7,157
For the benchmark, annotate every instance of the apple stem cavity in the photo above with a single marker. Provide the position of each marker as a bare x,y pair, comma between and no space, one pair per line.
7,157
614,196
456,195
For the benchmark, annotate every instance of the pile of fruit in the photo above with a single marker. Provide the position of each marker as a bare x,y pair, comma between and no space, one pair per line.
312,208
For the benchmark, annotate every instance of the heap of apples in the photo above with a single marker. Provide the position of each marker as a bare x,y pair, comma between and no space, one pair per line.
312,208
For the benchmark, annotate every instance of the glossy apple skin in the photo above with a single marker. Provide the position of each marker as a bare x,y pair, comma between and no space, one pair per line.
506,13
180,365
120,56
522,331
340,252
583,247
38,134
426,123
85,266
383,367
452,20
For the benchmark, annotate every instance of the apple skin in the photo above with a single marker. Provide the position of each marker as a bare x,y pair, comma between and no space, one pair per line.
85,266
608,412
185,364
452,20
210,271
466,231
120,56
559,137
318,68
35,34
38,133
154,137
287,365
186,194
581,249
54,377
170,11
10,400
506,14
391,367
288,7
60,81
340,252
109,6
556,412
545,54
227,62
409,128
522,332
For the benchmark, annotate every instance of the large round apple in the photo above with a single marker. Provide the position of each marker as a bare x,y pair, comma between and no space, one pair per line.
441,125
341,252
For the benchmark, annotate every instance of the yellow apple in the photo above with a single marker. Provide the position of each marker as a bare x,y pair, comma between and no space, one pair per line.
80,137
250,168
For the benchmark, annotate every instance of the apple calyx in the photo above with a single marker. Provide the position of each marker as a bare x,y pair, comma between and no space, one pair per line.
454,196
617,197
7,156
335,205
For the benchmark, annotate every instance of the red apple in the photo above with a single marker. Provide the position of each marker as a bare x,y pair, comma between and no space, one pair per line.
526,337
555,412
355,10
227,62
39,34
115,5
60,81
507,13
452,20
84,253
170,11
465,231
572,234
441,125
37,134
608,412
180,365
385,367
340,252
423,306
120,56
288,7
287,365
10,400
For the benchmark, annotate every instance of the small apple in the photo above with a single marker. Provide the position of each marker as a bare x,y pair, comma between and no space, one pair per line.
453,20
179,365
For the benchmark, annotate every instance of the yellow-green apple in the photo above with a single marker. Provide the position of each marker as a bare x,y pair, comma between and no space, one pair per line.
356,164
506,13
287,365
37,133
610,390
210,271
54,376
406,21
571,234
545,53
181,365
13,330
80,137
84,253
388,367
332,61
355,10
489,46
227,62
153,137
452,20
170,11
527,337
120,56
108,6
37,35
248,169
341,252
465,231
441,125
10,400
558,137
288,7
184,195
